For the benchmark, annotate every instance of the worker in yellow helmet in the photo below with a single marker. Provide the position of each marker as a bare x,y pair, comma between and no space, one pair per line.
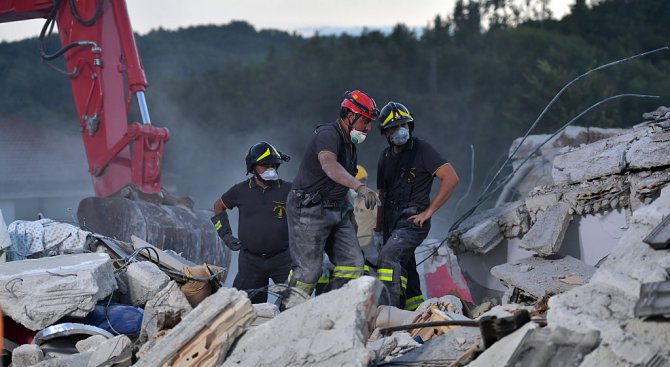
366,219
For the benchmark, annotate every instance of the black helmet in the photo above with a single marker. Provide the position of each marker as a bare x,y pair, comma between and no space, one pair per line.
264,153
394,114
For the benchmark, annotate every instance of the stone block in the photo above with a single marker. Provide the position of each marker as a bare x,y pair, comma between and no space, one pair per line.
205,335
501,351
144,280
537,276
328,330
40,292
26,355
165,310
116,351
649,151
546,235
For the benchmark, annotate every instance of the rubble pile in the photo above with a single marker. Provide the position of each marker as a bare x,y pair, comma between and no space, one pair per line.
75,298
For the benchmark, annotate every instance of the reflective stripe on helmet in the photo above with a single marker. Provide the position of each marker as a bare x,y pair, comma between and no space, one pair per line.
267,153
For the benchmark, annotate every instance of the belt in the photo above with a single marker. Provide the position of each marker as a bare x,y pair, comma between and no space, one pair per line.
265,255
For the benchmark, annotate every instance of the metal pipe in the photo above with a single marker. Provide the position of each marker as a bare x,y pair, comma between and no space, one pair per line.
144,110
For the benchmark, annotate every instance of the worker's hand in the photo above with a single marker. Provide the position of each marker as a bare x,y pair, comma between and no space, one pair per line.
370,197
233,242
377,239
421,218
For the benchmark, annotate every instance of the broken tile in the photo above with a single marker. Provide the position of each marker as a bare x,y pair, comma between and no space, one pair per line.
144,279
204,336
40,292
165,310
544,274
546,235
330,329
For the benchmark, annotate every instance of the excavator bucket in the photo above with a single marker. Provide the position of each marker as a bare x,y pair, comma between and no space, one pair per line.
176,227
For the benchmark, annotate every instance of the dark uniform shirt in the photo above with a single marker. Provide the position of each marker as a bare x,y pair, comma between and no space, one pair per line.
390,171
311,177
262,227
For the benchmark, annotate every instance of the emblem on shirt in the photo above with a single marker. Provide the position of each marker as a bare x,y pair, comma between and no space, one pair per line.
409,176
279,209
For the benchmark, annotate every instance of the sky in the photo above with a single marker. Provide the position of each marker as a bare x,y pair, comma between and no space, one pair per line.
302,16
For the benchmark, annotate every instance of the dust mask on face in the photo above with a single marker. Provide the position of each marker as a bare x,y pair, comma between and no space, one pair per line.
270,174
356,136
400,136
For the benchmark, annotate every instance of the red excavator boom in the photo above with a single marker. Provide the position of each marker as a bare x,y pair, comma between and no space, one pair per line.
105,73
124,159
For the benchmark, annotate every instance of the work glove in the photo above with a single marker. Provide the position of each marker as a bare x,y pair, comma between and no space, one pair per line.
371,198
232,242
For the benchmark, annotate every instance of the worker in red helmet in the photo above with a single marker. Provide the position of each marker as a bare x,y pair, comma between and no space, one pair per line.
262,226
319,211
405,176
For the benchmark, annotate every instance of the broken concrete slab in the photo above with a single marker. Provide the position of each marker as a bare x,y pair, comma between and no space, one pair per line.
601,158
649,151
537,276
483,237
26,355
165,310
90,343
445,348
396,344
205,335
501,351
116,351
654,300
73,360
144,279
328,330
607,303
40,292
546,235
554,347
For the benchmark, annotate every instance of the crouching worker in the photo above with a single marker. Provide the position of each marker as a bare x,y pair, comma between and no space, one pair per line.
262,228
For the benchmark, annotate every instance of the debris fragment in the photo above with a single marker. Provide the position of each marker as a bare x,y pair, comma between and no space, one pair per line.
204,336
659,238
165,310
546,235
144,279
297,336
654,300
27,355
40,292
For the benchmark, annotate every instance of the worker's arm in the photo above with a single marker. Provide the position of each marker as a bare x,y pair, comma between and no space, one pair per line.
219,206
336,172
379,226
448,181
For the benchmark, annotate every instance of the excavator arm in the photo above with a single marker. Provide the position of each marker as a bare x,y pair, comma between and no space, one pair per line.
105,73
124,158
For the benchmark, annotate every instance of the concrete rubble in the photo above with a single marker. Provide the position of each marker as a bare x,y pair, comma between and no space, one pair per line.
329,330
569,243
40,292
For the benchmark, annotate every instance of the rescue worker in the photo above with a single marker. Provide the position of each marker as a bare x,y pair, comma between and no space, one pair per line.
262,228
319,214
404,178
365,219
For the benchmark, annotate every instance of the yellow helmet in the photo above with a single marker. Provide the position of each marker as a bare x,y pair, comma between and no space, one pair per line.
361,173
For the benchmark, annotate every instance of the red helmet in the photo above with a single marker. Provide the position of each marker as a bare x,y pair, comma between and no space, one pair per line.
360,103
